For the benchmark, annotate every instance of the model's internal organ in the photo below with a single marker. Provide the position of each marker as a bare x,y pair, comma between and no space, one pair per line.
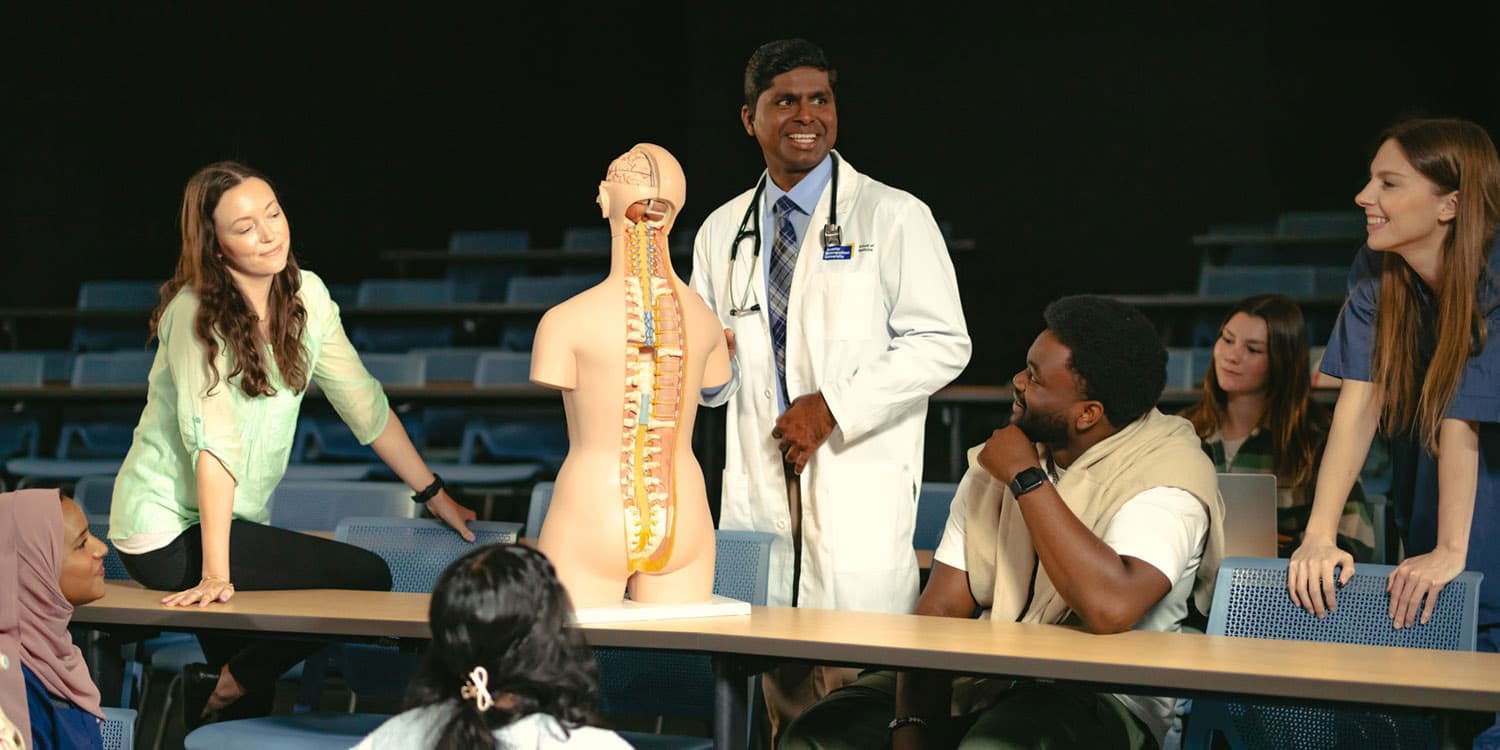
654,355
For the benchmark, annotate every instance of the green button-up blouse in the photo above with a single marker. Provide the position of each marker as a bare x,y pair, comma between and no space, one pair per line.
156,490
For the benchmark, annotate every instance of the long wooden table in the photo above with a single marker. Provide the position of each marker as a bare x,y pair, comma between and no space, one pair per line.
1136,661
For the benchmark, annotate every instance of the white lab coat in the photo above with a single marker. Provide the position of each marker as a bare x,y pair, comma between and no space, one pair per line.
877,333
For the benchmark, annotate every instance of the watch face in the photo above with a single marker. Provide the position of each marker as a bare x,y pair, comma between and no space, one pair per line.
1028,480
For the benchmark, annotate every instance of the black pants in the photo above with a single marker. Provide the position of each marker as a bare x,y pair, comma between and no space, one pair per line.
260,558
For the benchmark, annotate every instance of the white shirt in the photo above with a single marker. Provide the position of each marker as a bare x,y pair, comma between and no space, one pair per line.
1165,527
419,728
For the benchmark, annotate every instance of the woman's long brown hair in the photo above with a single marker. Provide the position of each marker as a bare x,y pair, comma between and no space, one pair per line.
1294,437
223,312
1454,155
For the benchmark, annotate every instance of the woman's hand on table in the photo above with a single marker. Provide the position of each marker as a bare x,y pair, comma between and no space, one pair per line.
208,590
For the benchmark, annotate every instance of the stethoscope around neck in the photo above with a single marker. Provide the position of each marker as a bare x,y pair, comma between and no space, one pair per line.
750,229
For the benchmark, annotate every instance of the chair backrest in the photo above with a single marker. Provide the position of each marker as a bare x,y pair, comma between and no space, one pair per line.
1342,223
742,564
450,364
1250,601
536,510
933,502
1289,279
114,568
320,505
18,369
57,364
403,293
119,295
1186,366
1249,514
419,549
502,368
118,728
396,369
485,241
95,493
585,238
547,290
112,368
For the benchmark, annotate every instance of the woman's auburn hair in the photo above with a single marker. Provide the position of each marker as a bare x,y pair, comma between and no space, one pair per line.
224,315
1456,155
1296,424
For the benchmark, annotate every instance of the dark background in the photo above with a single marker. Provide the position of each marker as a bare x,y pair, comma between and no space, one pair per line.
1080,149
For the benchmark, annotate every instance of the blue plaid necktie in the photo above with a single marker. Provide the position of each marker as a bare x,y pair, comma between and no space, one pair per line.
779,283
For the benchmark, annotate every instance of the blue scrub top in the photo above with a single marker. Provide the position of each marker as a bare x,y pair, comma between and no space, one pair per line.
57,724
1414,486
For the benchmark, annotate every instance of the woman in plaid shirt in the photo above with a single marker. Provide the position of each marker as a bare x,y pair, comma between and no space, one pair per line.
1257,416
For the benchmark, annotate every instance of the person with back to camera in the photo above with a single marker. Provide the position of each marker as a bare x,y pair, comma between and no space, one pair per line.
1090,509
1415,345
243,333
505,668
1257,416
629,508
843,315
49,563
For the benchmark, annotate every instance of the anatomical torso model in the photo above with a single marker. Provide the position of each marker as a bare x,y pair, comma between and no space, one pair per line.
629,511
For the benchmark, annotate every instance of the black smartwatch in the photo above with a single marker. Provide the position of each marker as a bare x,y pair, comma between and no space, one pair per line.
1028,480
431,491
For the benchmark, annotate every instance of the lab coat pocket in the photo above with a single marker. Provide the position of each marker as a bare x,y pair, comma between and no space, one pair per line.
848,304
870,517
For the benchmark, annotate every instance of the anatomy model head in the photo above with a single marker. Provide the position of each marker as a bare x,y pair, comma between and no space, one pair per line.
645,182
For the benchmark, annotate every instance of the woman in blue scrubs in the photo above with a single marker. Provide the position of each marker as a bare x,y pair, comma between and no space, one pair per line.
1416,345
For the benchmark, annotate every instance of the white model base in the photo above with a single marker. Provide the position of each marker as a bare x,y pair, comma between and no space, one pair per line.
629,611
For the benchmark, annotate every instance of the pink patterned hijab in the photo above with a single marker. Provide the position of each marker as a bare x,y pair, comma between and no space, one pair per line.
33,612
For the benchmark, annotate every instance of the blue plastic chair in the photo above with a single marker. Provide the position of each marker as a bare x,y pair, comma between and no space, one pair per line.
1250,601
1186,366
542,439
114,569
444,426
536,510
22,369
18,437
540,290
1346,223
103,438
397,293
484,282
319,506
1293,280
309,731
57,364
114,295
488,241
933,502
679,684
118,728
95,493
585,238
418,549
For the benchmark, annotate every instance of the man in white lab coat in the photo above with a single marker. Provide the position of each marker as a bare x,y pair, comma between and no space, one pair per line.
844,317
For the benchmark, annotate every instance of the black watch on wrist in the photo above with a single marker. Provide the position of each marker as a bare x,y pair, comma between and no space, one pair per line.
1028,480
431,491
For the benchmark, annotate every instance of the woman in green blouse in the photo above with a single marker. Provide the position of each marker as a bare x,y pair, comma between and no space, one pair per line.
243,331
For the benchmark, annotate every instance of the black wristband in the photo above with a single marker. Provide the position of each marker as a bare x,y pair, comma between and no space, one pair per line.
431,491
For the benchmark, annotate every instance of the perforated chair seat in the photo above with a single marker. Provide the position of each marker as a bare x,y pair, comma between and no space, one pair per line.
418,549
1251,601
306,731
320,505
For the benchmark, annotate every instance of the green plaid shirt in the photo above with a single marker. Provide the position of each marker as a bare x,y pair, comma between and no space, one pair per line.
1294,504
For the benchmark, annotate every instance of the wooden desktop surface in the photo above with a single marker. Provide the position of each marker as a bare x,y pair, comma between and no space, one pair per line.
1166,661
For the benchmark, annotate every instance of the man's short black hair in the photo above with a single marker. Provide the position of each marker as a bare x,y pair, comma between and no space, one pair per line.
774,58
1115,353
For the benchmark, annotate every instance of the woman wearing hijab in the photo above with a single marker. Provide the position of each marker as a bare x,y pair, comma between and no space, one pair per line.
49,562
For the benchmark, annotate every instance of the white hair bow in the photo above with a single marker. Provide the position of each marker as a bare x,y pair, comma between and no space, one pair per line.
478,689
